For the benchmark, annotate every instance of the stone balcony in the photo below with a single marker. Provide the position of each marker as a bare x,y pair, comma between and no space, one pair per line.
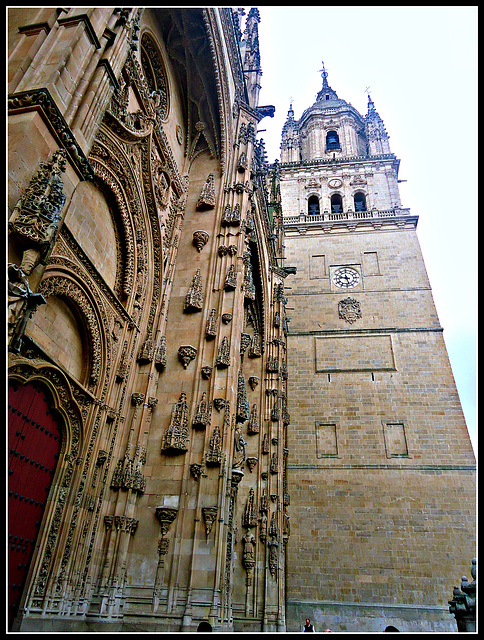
351,219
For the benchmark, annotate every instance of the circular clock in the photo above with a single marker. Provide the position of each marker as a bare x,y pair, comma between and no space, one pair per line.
346,277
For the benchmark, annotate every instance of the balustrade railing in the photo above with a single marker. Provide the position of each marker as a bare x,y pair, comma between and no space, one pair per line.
346,215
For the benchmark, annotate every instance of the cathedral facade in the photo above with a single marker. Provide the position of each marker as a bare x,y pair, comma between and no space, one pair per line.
178,452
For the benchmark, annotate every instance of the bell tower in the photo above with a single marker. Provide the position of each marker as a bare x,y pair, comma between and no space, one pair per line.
380,466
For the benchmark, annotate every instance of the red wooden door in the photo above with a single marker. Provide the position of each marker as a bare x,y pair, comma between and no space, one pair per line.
34,440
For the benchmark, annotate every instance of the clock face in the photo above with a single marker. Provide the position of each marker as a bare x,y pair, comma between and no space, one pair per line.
346,277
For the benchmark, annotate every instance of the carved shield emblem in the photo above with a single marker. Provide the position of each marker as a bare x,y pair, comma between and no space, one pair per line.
349,309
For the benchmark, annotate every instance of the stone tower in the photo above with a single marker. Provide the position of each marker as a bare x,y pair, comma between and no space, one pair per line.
381,468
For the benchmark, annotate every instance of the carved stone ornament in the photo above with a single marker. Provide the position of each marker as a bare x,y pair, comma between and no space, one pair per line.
175,438
165,516
223,356
206,200
160,354
186,353
212,322
349,309
213,457
196,470
204,413
194,297
254,423
255,350
206,372
251,462
37,215
22,302
242,409
253,382
249,518
230,279
219,403
200,239
245,341
226,318
209,516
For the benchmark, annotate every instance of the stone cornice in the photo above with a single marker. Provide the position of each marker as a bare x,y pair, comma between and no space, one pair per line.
308,164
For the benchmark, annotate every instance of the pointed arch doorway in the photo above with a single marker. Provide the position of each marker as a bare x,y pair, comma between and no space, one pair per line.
34,443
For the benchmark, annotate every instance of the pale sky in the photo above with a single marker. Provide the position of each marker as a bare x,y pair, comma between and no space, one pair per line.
420,64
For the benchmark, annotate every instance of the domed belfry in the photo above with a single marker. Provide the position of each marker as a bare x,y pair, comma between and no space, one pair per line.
381,467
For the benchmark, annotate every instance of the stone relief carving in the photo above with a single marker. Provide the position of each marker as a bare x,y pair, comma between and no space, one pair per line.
349,309
204,413
37,215
176,436
194,297
206,199
186,353
209,515
223,355
212,325
22,303
213,456
200,239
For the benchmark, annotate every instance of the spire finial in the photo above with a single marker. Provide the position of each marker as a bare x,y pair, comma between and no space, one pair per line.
370,101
